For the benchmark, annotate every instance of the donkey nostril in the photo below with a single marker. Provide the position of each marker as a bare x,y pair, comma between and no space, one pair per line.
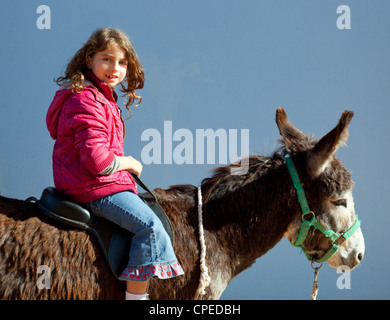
360,256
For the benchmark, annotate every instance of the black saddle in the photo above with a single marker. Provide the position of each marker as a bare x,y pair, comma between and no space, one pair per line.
114,240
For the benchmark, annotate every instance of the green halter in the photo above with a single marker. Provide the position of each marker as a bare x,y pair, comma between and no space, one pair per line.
309,219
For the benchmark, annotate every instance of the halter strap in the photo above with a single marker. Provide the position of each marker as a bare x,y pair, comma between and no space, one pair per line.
298,186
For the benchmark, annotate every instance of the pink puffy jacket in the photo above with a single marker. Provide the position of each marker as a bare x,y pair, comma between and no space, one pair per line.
89,132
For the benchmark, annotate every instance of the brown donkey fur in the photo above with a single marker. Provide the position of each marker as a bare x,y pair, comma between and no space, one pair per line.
244,217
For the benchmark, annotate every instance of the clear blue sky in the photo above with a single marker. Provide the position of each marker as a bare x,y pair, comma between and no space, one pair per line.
221,64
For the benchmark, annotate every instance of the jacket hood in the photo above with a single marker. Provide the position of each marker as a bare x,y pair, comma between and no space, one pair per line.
61,96
53,114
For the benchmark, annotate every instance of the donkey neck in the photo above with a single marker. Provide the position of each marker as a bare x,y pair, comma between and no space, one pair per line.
248,215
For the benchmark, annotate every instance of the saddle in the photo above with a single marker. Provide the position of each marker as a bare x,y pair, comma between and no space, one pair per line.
114,241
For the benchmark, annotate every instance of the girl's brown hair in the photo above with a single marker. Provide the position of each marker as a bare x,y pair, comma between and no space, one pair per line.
99,41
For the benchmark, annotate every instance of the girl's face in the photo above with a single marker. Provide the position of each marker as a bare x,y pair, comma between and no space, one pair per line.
109,65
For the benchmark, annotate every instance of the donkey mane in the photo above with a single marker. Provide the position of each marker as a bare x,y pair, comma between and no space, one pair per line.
223,180
221,184
232,190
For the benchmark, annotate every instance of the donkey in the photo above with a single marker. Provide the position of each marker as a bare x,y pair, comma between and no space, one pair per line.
244,216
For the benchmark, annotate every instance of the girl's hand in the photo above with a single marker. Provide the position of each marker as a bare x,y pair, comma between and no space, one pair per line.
130,164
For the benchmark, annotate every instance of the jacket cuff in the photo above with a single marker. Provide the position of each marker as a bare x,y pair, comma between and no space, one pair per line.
104,164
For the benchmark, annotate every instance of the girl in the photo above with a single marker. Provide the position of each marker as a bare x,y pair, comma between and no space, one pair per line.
88,159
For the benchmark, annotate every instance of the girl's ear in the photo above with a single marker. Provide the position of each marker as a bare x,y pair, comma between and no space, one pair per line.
88,61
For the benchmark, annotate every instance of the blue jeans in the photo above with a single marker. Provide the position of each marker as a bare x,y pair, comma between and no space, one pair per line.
151,252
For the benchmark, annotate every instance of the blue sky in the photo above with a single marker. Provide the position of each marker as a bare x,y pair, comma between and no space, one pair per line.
221,64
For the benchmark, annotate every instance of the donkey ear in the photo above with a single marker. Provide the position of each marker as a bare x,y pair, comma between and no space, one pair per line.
289,133
321,155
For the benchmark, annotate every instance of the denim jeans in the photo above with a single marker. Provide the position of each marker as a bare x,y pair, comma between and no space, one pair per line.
151,252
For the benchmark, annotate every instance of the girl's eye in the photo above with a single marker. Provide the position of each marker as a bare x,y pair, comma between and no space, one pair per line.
341,202
123,63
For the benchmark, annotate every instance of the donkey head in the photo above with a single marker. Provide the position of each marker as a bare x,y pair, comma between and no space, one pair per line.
328,186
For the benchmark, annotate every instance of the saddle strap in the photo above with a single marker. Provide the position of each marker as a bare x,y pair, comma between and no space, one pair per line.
142,185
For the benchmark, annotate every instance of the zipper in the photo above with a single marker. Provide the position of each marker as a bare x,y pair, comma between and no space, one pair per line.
119,109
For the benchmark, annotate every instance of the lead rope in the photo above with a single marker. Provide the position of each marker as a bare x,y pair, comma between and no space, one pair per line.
314,291
204,272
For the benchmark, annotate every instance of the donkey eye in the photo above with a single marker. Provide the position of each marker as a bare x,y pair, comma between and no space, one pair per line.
341,202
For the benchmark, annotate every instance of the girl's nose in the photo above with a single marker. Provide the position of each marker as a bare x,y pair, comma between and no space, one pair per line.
115,65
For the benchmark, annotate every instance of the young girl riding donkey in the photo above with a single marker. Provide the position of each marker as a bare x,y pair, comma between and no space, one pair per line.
89,164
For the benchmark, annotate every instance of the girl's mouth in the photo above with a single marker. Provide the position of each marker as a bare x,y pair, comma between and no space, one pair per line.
111,76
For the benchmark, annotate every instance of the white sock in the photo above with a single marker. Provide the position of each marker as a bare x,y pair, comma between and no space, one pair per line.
134,296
